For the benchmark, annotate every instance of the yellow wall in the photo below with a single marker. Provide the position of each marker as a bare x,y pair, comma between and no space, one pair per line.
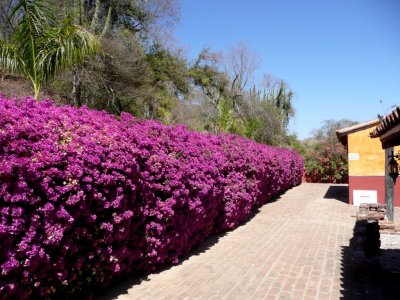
371,155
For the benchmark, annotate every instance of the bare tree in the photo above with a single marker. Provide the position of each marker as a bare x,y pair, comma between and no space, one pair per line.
327,131
240,65
163,15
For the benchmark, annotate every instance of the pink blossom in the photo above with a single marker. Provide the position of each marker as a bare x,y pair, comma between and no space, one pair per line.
86,196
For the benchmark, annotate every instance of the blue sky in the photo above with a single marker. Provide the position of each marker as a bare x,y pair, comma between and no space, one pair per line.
340,57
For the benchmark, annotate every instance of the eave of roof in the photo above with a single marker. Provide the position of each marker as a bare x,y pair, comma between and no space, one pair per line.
344,132
387,123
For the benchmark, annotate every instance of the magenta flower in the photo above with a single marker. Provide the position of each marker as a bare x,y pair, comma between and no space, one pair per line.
86,197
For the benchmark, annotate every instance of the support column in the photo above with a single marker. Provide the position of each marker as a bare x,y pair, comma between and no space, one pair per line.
389,186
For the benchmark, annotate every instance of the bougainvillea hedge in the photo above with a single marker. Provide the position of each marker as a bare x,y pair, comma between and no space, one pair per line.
86,197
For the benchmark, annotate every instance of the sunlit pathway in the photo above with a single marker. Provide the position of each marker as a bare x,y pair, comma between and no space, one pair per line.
291,249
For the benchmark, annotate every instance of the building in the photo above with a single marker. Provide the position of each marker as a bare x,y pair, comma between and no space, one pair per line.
366,164
388,132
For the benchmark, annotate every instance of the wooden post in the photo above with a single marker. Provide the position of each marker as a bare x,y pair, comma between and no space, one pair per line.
389,186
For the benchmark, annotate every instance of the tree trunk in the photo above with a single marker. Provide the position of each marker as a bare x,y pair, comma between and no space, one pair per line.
76,87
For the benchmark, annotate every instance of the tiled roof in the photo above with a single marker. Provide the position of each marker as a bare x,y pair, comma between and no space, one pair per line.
387,123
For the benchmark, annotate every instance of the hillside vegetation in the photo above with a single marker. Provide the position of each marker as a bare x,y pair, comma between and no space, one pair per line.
120,56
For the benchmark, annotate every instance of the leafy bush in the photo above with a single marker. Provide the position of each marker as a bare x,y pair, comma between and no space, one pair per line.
326,163
326,158
86,197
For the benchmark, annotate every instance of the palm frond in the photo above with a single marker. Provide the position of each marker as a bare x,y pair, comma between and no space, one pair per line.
10,59
35,15
64,47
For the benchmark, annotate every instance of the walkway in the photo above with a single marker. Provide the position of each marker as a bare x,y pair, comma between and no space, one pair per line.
291,249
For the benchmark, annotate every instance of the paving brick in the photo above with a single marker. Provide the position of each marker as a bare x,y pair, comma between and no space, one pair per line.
291,249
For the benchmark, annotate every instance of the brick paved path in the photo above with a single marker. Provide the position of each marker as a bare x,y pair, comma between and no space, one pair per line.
291,249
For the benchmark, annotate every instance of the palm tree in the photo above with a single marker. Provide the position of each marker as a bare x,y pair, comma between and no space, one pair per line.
41,47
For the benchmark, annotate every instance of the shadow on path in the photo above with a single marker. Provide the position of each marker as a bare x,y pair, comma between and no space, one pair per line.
380,284
338,192
121,285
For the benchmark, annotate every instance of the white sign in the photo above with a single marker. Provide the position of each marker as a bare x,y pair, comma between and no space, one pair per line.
354,156
364,196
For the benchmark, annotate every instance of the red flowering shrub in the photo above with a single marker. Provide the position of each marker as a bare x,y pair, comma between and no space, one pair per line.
86,197
327,163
